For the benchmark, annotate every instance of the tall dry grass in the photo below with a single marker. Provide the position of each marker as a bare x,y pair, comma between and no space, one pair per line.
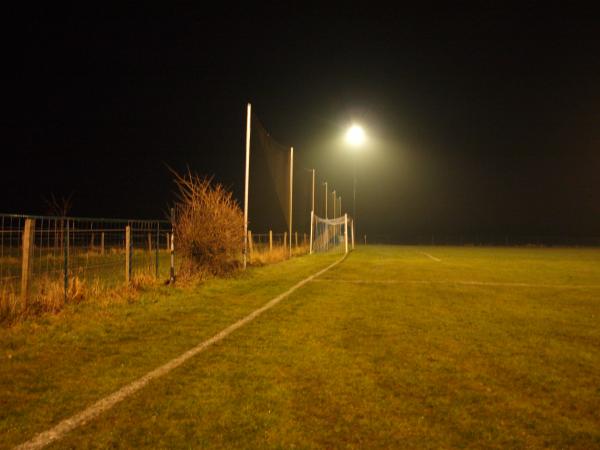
263,256
48,295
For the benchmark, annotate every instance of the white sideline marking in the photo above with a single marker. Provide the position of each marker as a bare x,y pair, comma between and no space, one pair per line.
470,283
430,256
57,432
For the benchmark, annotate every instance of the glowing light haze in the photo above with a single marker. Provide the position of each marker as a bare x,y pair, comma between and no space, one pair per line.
355,136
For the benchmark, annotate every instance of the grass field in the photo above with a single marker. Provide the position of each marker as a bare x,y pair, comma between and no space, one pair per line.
396,347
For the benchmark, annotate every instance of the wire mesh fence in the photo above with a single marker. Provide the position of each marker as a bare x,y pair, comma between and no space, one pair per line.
263,242
38,253
270,247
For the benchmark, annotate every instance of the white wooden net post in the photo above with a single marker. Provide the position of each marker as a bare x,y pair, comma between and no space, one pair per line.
346,231
250,246
247,178
312,216
291,194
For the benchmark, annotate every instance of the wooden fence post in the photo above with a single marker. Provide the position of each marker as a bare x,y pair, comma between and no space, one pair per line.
66,250
28,243
127,254
296,237
285,239
102,243
149,241
270,240
168,241
156,249
172,250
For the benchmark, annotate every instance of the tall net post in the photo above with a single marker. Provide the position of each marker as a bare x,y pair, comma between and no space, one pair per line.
326,216
291,194
247,178
312,217
312,208
346,231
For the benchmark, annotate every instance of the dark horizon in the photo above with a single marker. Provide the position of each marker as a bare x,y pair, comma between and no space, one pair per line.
481,121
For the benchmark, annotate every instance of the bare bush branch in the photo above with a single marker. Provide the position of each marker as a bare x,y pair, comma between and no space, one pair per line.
209,225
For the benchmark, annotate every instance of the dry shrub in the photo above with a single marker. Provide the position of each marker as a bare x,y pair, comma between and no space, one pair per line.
209,226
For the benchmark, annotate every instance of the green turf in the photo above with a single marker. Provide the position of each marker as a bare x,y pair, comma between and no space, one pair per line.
488,348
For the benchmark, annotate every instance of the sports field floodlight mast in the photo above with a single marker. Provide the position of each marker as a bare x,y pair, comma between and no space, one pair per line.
355,137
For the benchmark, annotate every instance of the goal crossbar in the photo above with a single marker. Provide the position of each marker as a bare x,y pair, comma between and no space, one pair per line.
335,234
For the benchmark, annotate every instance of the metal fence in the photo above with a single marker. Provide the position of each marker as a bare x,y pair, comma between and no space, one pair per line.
39,251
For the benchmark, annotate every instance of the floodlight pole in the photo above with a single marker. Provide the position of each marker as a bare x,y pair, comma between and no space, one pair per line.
346,231
334,208
247,178
354,195
325,183
312,211
312,217
291,187
339,202
313,192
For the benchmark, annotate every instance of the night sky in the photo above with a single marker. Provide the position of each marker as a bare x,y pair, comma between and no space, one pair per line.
480,121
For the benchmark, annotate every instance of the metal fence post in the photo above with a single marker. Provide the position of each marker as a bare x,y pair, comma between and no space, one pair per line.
28,243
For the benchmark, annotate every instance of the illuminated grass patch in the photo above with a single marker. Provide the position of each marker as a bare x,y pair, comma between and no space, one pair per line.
415,358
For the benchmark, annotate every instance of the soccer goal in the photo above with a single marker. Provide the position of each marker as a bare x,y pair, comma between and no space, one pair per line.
331,235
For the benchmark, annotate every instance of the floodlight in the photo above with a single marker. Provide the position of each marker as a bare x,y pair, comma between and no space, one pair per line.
355,135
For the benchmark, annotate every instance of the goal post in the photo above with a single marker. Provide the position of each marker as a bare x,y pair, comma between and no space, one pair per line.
330,235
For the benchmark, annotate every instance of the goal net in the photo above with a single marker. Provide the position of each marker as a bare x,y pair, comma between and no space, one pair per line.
332,235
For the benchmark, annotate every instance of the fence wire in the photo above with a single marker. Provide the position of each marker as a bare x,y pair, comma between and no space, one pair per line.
265,242
56,250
